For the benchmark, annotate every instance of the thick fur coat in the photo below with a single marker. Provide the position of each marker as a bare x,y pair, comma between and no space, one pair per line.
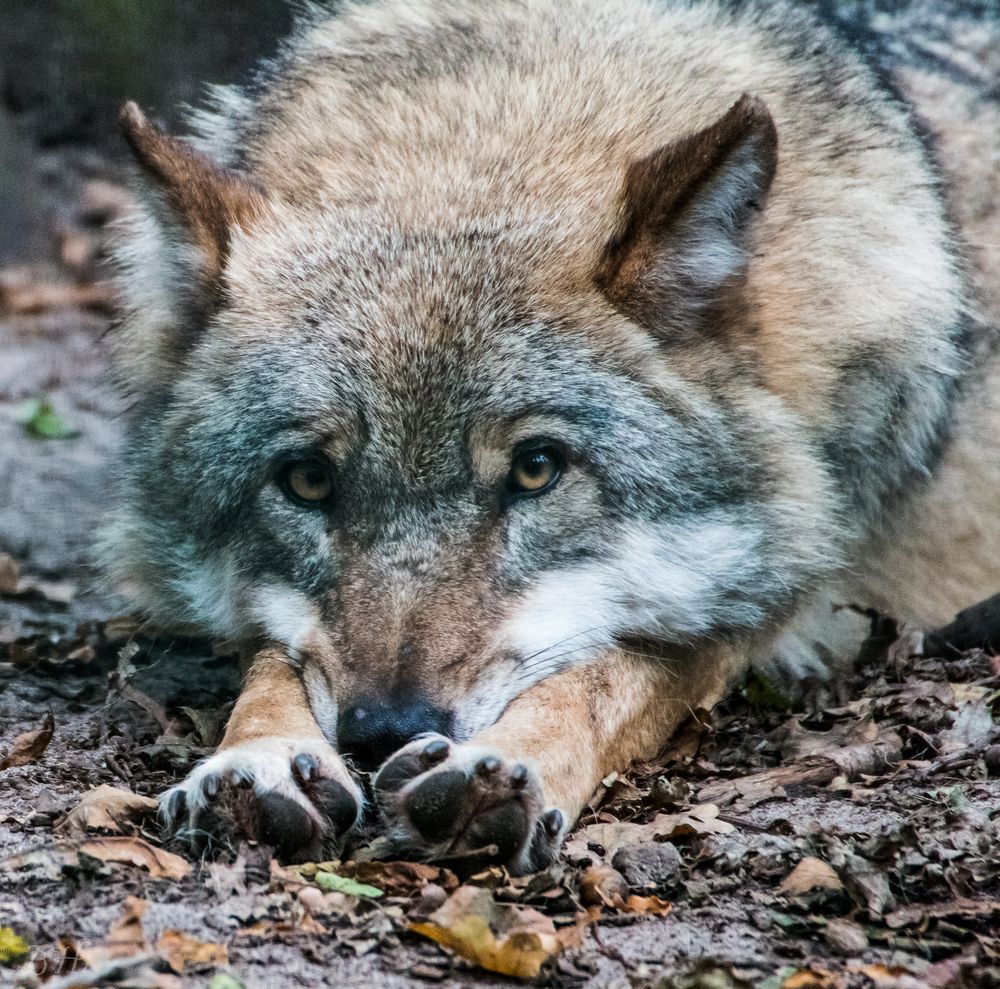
695,254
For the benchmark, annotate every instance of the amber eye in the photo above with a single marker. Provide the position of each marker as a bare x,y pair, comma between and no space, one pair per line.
534,471
308,481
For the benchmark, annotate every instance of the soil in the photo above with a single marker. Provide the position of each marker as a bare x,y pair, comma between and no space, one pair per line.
907,819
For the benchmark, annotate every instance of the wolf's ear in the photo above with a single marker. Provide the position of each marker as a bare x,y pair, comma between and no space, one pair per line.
687,212
207,200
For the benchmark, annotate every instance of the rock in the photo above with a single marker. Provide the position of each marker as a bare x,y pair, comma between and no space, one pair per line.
845,937
649,866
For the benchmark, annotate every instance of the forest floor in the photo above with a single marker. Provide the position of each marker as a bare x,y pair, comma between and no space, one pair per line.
854,846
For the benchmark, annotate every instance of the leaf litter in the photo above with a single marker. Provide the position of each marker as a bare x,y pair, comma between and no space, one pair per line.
894,869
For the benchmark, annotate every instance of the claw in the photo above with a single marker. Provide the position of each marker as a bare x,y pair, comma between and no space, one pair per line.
488,766
176,805
553,821
305,766
518,776
434,752
211,786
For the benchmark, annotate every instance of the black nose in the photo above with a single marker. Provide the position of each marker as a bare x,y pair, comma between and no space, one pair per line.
371,730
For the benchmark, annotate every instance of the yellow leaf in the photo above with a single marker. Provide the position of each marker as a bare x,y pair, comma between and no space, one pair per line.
13,947
812,978
502,938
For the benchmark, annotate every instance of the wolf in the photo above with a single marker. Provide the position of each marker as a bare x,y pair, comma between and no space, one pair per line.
509,377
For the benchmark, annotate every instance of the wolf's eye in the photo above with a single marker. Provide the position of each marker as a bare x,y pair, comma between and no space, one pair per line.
534,471
308,481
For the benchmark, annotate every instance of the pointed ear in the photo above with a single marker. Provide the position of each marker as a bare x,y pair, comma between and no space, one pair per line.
207,200
687,216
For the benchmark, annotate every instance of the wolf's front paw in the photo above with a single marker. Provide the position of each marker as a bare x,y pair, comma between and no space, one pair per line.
294,795
443,800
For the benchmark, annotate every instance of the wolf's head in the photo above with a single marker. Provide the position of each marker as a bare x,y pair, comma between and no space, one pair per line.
440,461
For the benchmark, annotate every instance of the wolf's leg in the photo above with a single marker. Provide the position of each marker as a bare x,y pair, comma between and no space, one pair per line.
275,777
519,783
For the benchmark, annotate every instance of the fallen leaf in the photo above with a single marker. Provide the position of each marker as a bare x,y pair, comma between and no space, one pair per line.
957,909
13,947
871,759
887,976
399,878
223,981
125,937
651,906
123,958
333,883
502,938
29,747
207,723
276,928
702,819
180,949
135,851
972,728
103,809
810,873
601,885
813,978
40,419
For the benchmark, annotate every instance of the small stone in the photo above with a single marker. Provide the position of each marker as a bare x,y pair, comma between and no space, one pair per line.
648,866
846,937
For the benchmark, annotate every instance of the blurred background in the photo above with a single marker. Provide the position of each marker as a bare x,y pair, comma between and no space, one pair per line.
66,66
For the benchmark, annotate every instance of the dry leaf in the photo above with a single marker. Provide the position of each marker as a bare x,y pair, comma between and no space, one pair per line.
180,949
646,906
702,819
103,809
972,728
887,976
123,958
399,878
125,937
813,978
276,928
810,873
29,747
502,938
601,886
135,851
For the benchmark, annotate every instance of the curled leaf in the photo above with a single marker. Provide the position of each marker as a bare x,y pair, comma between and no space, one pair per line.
28,748
502,938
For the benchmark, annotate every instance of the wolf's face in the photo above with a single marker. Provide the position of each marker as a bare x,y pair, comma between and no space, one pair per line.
438,467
